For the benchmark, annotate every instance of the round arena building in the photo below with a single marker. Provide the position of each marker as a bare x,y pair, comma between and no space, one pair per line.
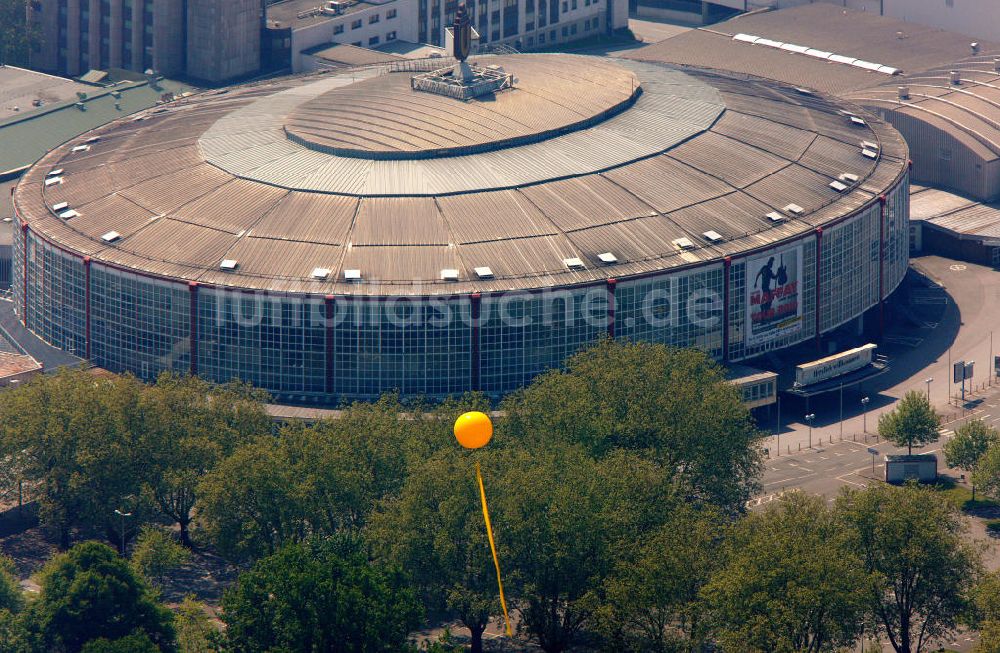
431,230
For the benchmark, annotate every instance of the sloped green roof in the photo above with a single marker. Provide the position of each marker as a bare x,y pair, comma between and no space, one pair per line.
25,138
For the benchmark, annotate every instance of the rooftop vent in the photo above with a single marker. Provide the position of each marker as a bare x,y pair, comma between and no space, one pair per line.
573,263
712,236
774,216
61,206
484,273
228,264
52,181
868,145
449,274
794,209
683,243
996,64
869,154
66,215
352,275
111,236
55,173
956,77
848,177
607,258
81,148
93,139
803,91
904,92
320,273
860,122
838,186
974,47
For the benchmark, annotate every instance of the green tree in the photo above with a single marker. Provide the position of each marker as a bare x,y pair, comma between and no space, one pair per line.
965,450
653,597
135,643
913,422
88,593
74,436
319,595
18,36
987,473
196,633
789,583
11,597
557,527
311,479
435,531
986,615
673,404
911,540
156,553
188,426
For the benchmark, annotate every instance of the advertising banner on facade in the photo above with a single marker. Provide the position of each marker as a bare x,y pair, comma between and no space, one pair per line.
774,295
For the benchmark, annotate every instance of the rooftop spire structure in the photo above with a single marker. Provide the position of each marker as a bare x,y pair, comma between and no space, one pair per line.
463,34
462,44
464,80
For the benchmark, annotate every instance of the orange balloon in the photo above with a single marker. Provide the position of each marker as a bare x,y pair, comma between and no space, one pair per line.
473,430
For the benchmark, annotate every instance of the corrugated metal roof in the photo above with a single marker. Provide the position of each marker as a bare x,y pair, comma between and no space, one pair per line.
669,167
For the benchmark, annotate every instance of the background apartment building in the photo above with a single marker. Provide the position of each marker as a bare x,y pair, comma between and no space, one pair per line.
524,24
210,40
296,26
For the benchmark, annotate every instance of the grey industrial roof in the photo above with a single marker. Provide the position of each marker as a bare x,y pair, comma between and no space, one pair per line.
343,54
762,146
25,137
302,13
821,27
970,111
20,88
961,216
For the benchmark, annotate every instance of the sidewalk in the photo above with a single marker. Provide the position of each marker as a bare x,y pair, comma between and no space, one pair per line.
967,295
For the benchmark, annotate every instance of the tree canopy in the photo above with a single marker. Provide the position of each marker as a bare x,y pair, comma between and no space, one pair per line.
910,539
90,593
967,448
319,595
788,583
912,423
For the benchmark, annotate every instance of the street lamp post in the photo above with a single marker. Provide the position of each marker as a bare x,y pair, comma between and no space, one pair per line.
864,412
123,515
809,420
929,381
777,431
841,412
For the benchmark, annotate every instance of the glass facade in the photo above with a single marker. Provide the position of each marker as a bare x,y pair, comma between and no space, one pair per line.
327,349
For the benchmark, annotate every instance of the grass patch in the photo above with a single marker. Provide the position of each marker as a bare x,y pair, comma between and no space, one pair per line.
993,526
961,496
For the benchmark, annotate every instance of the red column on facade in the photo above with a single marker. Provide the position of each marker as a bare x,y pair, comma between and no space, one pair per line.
193,289
612,306
476,299
86,300
819,260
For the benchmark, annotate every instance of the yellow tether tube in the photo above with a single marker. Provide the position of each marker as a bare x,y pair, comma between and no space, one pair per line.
493,547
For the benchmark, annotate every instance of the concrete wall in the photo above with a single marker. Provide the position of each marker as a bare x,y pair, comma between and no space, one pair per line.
223,38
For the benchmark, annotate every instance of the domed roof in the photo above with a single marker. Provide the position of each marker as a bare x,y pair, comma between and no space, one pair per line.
304,184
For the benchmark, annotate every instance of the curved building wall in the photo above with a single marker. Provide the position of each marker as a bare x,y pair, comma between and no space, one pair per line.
323,348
